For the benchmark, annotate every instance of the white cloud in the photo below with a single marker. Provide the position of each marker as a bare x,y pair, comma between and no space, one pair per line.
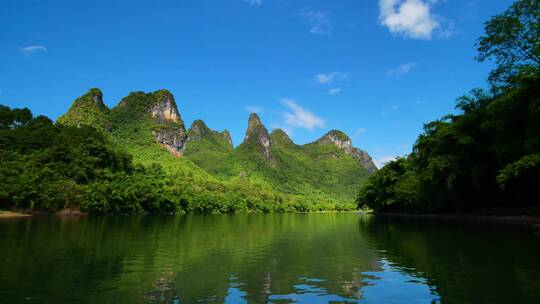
298,117
320,22
253,109
410,18
359,132
332,77
29,50
334,91
390,109
254,2
402,69
380,162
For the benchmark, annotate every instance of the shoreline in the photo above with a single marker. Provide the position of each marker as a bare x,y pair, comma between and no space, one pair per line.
510,219
70,212
12,214
469,217
67,212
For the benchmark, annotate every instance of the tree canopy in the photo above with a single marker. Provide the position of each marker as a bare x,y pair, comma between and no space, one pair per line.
488,156
512,41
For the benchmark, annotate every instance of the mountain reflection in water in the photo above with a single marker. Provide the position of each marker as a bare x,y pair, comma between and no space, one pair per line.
274,258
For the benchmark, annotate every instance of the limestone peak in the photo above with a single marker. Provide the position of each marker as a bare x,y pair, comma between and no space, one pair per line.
88,109
228,137
258,134
339,139
344,142
280,137
164,107
198,130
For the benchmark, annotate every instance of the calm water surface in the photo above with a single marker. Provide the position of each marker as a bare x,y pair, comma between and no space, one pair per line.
291,258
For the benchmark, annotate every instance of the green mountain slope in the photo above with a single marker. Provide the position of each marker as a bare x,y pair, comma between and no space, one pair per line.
88,109
209,149
149,127
327,167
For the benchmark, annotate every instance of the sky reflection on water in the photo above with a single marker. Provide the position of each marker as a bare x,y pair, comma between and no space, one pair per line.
275,258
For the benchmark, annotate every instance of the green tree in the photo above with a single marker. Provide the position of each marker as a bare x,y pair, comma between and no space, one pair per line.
487,156
512,40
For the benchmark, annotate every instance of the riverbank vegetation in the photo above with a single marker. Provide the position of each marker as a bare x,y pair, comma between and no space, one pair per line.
487,156
48,166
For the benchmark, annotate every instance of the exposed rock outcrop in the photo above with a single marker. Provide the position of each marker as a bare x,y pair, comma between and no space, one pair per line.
171,132
257,134
365,159
198,130
344,142
165,109
338,139
228,138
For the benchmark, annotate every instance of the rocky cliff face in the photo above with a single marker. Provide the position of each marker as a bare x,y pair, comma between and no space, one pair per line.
344,142
165,109
171,133
365,159
198,131
257,134
171,139
228,138
338,139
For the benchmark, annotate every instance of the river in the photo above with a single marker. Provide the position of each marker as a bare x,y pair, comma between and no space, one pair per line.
272,258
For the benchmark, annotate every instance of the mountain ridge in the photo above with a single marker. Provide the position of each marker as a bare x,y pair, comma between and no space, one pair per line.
330,164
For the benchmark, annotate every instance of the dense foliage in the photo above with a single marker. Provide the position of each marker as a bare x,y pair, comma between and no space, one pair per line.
47,166
488,156
88,109
315,169
511,41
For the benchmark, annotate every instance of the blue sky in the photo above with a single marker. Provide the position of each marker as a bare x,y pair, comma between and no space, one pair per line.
376,69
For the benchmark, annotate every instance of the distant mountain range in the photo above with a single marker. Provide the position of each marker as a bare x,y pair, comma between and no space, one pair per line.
150,127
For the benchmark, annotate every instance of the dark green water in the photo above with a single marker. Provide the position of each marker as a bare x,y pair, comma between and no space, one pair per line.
305,258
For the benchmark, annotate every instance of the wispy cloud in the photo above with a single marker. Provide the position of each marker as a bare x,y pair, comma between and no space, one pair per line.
332,77
253,109
359,132
390,109
254,2
29,50
410,18
298,117
320,22
402,69
383,160
334,91
398,151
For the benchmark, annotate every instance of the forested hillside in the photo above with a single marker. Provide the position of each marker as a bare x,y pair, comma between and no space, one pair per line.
138,157
487,157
